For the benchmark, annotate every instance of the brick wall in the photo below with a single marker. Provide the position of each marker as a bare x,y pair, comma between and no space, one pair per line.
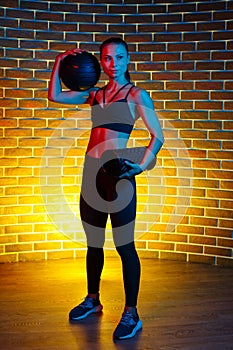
181,53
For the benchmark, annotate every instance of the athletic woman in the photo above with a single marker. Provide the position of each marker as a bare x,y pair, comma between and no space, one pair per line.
115,108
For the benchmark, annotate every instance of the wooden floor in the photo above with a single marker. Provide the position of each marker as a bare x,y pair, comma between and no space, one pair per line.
182,305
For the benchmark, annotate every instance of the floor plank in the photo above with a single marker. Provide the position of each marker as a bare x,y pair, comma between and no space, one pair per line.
183,306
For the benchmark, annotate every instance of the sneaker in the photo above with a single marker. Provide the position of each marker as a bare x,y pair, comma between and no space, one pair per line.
128,326
87,307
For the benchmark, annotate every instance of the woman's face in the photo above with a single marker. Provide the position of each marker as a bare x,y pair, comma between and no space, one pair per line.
114,60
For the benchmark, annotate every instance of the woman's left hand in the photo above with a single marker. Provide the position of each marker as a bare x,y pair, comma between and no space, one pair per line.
131,170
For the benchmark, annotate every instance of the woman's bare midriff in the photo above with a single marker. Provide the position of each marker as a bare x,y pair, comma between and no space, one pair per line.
102,139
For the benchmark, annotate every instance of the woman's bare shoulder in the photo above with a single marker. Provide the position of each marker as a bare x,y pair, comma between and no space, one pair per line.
92,94
140,95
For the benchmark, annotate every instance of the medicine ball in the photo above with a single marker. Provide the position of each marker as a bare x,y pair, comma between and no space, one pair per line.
80,72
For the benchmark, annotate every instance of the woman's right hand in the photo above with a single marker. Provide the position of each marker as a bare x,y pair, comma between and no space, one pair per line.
73,52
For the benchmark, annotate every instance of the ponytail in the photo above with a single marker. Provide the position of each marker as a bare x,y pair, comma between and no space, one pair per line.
127,76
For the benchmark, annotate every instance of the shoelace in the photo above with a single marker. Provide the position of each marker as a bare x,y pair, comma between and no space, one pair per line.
87,302
127,319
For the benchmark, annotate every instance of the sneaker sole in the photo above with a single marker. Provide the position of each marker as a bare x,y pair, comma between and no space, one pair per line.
97,309
131,335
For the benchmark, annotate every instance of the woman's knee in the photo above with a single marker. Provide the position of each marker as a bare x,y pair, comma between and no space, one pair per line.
126,249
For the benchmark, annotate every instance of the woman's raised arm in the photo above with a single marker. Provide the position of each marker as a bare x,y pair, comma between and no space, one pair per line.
55,92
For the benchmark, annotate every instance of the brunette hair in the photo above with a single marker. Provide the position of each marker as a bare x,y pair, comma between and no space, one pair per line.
116,40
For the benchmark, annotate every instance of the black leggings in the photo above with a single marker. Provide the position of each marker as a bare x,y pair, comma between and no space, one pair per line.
104,195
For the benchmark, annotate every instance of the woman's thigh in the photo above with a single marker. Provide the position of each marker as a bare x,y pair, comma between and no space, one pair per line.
123,221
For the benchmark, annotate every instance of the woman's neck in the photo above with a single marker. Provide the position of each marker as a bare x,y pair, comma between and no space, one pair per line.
116,84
